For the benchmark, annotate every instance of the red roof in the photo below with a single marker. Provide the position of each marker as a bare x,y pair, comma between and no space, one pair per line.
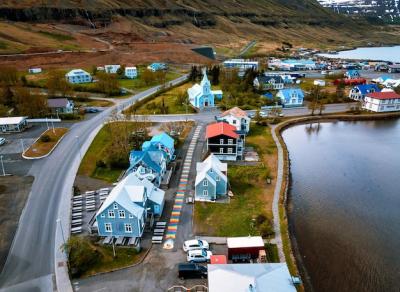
218,259
384,95
221,128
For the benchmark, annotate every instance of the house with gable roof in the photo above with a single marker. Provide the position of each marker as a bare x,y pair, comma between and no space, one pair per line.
211,179
237,118
77,76
359,92
224,142
268,82
291,97
162,142
124,212
150,165
352,74
201,96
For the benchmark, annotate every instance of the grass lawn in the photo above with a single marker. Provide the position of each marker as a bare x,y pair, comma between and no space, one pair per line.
250,210
138,84
98,151
124,257
170,100
40,148
92,102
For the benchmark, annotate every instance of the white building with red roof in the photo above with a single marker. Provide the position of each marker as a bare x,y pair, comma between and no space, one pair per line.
382,102
224,142
237,118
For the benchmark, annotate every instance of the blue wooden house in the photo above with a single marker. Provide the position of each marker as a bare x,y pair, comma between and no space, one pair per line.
154,67
124,212
201,96
162,142
150,165
211,179
360,91
352,74
291,97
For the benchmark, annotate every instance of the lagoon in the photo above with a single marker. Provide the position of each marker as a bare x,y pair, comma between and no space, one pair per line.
344,203
391,54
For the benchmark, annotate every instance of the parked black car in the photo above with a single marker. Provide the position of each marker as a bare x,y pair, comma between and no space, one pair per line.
186,271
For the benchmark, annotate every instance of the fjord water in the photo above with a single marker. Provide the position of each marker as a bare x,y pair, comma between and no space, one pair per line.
391,54
344,204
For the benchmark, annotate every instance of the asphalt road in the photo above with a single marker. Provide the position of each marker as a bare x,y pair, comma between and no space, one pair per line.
30,263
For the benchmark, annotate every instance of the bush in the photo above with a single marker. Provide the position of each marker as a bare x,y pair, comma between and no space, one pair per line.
45,138
266,229
82,255
69,116
100,163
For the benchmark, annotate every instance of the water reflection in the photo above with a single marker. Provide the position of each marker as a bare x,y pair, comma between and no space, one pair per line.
346,203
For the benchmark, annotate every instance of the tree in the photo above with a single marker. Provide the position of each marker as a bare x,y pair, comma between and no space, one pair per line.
148,77
121,71
316,99
321,107
194,72
81,255
94,70
340,90
108,84
215,71
8,76
57,84
29,105
7,96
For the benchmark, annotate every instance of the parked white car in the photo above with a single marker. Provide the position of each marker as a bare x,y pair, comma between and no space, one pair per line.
2,141
199,256
195,244
264,114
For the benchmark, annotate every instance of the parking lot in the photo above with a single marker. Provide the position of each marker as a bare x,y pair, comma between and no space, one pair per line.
12,149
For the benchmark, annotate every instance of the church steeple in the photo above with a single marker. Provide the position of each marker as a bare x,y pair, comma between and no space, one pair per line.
205,83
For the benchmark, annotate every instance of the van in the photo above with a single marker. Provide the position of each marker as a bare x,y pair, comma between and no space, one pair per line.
194,271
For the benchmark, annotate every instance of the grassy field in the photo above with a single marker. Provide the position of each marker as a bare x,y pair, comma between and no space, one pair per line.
170,100
138,84
40,148
252,201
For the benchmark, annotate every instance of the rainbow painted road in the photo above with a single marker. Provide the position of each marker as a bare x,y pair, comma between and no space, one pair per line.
180,194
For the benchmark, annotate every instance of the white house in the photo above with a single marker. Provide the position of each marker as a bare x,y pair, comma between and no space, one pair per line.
60,105
319,82
78,76
112,69
241,64
263,82
237,118
131,72
13,124
35,70
382,101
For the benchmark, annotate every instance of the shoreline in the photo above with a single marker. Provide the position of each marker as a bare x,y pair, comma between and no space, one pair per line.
292,253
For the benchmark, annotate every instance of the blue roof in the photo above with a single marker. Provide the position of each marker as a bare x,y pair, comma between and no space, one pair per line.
164,139
268,95
353,73
147,157
368,88
385,77
287,93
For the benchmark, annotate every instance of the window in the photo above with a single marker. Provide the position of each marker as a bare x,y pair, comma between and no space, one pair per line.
217,178
128,228
107,227
130,216
205,183
121,214
234,122
115,206
103,215
230,141
111,214
221,141
205,193
229,150
211,170
221,150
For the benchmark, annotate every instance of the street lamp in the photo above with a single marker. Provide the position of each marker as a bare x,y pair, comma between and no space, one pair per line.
62,230
79,147
2,165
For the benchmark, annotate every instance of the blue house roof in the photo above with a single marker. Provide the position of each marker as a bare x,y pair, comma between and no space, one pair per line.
288,92
368,88
353,73
268,95
162,138
148,158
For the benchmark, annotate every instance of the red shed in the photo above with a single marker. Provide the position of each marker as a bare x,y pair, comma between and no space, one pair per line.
218,259
244,248
350,82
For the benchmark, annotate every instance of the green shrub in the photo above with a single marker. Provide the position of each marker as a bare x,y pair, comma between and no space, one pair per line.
45,138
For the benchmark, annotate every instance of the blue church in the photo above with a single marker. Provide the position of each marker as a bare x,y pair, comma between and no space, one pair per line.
201,96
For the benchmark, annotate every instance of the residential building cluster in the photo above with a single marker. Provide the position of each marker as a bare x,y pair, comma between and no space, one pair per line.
137,197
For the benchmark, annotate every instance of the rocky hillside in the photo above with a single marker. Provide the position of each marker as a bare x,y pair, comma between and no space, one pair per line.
163,13
375,10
